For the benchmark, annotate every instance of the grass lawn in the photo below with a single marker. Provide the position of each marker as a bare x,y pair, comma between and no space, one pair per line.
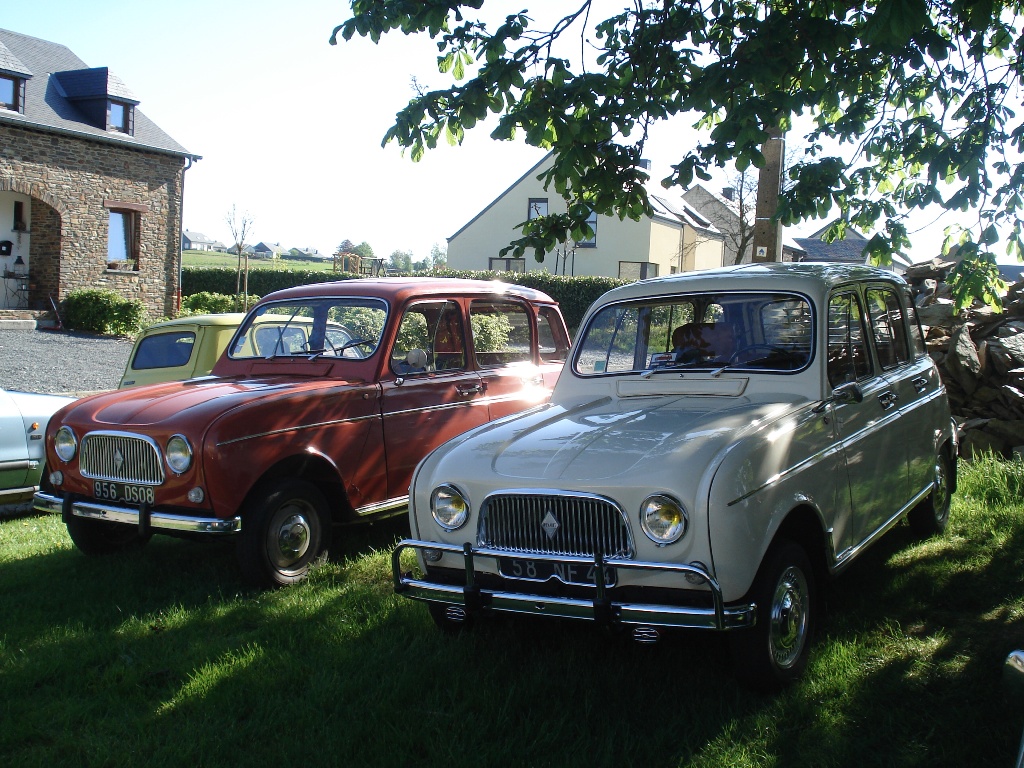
162,658
215,259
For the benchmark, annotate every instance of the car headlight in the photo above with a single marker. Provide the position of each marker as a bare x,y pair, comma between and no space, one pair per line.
449,507
65,444
179,454
663,519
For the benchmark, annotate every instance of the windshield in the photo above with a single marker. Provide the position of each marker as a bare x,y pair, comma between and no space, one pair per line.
347,328
709,331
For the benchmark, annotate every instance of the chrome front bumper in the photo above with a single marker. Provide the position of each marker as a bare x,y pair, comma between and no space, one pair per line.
601,608
144,518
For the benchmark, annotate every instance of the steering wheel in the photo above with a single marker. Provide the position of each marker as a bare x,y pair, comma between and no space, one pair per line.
769,349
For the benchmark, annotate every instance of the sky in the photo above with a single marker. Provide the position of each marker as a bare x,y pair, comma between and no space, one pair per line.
289,128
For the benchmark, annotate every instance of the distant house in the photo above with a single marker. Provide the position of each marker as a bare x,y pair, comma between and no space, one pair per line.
268,250
197,241
676,238
849,250
90,188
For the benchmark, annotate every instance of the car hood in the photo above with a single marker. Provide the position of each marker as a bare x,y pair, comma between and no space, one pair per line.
200,399
32,404
610,437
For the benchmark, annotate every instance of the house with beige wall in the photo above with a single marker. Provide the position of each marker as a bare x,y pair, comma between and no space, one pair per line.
674,238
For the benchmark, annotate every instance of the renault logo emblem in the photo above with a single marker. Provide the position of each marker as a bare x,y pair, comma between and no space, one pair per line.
550,525
118,459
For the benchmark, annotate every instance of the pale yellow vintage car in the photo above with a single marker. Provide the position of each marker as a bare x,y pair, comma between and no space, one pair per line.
718,444
180,349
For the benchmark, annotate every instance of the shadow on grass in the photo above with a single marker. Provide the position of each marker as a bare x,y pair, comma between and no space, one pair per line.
164,655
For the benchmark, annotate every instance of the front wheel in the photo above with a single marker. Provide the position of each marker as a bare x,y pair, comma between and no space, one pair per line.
930,516
97,537
774,652
284,530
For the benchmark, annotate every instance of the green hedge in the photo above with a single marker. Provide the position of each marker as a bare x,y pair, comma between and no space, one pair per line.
100,310
573,294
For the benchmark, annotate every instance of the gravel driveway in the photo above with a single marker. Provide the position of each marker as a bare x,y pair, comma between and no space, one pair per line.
61,362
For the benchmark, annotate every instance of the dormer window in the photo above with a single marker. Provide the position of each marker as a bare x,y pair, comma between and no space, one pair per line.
120,117
12,93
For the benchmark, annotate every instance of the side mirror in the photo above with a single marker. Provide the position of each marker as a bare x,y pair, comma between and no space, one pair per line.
848,393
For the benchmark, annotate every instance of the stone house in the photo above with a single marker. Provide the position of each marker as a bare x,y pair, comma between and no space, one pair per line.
675,238
90,188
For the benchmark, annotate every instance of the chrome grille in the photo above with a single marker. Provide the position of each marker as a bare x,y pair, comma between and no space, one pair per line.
121,457
582,523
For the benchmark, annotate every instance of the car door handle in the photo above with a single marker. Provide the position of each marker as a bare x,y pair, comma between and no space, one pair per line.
887,400
920,384
470,389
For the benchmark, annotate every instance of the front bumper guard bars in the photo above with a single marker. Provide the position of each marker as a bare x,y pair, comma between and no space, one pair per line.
145,518
601,608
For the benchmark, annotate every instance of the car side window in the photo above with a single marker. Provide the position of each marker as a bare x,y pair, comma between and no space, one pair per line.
501,332
916,334
888,327
552,343
430,338
848,358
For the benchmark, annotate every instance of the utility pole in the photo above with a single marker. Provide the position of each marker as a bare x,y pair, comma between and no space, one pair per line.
767,232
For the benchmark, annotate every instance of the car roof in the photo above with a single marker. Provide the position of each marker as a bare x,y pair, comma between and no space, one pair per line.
813,279
222,318
401,288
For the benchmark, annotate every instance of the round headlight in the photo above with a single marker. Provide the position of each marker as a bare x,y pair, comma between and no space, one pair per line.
663,519
179,454
449,507
65,444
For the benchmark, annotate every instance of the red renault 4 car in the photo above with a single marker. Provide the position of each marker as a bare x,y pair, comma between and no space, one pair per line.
315,416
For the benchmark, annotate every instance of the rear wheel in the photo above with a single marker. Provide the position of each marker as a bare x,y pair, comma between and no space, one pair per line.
931,515
284,530
774,652
96,537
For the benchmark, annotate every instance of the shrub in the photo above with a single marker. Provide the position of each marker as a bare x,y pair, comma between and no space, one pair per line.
103,311
206,302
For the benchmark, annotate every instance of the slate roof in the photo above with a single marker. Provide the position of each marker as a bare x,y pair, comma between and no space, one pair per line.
849,250
50,98
196,237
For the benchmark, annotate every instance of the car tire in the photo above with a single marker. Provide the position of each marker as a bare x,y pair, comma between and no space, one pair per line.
930,516
98,538
774,652
450,619
284,531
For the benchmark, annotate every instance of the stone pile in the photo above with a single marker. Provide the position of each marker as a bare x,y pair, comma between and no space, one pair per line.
980,354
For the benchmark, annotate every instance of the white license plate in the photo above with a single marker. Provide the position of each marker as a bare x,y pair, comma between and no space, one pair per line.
131,494
543,570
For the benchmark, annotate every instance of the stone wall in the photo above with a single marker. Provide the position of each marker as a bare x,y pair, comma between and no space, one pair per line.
980,354
72,181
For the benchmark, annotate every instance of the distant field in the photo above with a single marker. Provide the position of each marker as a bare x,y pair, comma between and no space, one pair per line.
212,259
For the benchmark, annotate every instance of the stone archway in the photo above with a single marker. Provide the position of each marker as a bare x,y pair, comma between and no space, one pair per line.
45,228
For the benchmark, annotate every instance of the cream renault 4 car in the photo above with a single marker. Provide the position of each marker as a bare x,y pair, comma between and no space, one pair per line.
717,446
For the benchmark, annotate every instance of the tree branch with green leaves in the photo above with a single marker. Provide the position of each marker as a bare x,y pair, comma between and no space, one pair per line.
905,105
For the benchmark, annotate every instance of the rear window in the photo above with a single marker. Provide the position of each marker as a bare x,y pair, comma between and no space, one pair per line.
164,350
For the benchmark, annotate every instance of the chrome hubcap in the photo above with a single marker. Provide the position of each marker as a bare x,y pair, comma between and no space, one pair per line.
940,491
789,618
289,537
